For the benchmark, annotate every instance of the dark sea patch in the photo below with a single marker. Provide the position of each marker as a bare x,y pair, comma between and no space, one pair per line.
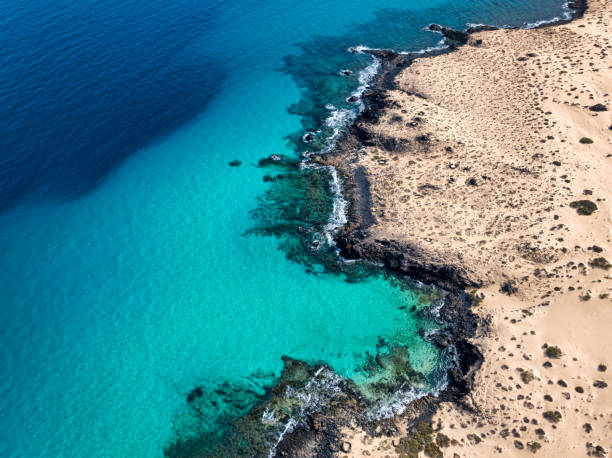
81,91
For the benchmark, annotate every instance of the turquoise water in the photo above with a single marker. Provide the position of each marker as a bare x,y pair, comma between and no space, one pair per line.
130,273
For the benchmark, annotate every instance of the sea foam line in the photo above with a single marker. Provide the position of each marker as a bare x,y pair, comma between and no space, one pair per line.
567,15
313,396
339,120
316,395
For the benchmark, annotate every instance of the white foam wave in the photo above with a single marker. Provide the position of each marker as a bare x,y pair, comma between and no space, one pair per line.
268,417
567,15
325,385
360,49
435,308
533,25
338,216
316,394
395,404
365,78
398,401
339,121
439,47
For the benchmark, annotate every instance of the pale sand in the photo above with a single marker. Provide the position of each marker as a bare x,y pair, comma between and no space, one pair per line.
509,109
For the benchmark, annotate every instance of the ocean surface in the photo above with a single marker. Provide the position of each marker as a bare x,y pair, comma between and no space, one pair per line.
135,262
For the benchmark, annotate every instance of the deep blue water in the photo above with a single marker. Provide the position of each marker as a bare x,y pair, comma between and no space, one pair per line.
130,271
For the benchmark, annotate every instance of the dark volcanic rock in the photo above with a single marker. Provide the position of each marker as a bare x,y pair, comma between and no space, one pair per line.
481,28
308,137
375,102
455,36
404,259
385,54
274,159
391,144
470,360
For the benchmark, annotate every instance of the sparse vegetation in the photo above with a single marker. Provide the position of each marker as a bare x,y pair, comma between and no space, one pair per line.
534,446
554,416
421,440
433,451
442,440
586,140
598,107
476,298
527,376
553,352
600,263
584,207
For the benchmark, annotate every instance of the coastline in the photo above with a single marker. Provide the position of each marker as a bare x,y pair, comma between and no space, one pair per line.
507,296
334,420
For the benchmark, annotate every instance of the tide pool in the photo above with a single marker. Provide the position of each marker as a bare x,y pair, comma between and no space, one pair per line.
130,272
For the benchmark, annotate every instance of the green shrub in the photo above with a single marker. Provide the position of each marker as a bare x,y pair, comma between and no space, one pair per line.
586,140
421,440
583,207
442,440
433,451
534,446
554,416
527,376
600,263
553,352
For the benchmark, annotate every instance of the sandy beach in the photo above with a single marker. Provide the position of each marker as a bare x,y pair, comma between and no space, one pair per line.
493,162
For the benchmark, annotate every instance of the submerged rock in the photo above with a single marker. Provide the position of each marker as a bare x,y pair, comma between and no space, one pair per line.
308,137
273,159
197,392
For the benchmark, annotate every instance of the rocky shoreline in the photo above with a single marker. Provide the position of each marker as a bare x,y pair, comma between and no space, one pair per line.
401,258
322,431
460,170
